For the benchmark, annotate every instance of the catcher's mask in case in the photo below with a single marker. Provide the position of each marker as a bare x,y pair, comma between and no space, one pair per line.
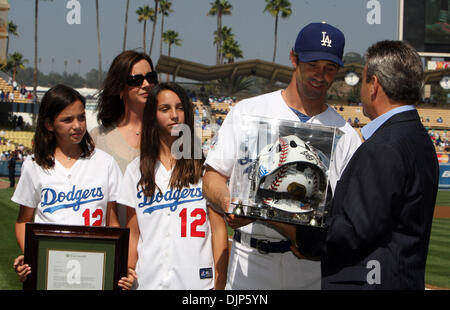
290,175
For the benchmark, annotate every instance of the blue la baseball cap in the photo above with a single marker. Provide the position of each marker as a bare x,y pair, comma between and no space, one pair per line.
320,41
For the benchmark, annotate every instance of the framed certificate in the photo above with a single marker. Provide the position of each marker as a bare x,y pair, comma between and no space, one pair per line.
64,257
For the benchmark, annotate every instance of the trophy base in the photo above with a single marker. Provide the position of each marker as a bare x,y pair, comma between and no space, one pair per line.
265,212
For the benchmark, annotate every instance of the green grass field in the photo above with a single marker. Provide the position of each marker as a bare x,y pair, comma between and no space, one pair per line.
438,261
437,269
8,245
443,198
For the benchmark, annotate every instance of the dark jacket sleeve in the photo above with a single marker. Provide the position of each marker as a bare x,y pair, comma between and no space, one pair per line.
311,241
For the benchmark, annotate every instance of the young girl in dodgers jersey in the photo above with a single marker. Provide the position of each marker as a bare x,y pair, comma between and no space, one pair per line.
67,181
171,242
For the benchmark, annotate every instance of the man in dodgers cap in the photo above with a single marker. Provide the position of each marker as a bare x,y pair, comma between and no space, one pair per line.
261,257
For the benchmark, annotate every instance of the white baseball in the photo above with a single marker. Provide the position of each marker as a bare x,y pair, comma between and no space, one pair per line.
289,180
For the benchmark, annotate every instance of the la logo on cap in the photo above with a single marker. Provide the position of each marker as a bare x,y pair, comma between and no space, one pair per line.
326,39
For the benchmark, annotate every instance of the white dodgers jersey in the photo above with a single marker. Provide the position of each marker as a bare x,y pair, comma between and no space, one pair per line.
70,196
174,247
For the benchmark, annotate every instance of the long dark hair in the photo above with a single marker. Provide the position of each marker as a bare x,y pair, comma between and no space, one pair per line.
187,170
54,101
110,106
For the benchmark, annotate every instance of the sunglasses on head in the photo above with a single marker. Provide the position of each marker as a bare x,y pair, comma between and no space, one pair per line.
138,79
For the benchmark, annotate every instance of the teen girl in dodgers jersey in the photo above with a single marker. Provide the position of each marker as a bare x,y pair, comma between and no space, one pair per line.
67,181
171,242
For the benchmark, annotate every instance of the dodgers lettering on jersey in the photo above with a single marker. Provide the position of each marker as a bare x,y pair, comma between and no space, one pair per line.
52,200
170,199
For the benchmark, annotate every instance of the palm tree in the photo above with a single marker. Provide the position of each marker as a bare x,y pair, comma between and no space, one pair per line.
144,14
35,71
99,49
224,34
219,8
53,62
65,66
16,61
12,30
171,37
231,50
232,86
36,9
275,7
154,20
125,26
164,10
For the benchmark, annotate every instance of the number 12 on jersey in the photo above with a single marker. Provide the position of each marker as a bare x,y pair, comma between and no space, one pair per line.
97,215
194,224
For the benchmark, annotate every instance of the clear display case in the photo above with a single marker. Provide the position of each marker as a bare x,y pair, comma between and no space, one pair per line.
282,171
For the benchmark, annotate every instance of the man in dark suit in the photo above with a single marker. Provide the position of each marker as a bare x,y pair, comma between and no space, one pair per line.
379,228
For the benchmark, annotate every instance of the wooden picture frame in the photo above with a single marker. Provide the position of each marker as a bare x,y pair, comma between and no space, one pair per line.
68,257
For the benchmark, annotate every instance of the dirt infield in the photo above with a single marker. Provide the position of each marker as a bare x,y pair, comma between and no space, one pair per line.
4,183
433,287
442,212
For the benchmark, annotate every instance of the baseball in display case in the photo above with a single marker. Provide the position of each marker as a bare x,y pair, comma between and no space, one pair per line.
282,171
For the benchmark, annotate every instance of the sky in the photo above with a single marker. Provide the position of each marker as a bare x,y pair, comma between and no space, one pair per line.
253,28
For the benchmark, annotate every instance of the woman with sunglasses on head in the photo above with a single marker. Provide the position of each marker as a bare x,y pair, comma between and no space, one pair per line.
176,240
120,107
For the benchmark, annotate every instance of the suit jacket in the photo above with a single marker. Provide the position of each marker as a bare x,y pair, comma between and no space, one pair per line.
382,211
12,164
